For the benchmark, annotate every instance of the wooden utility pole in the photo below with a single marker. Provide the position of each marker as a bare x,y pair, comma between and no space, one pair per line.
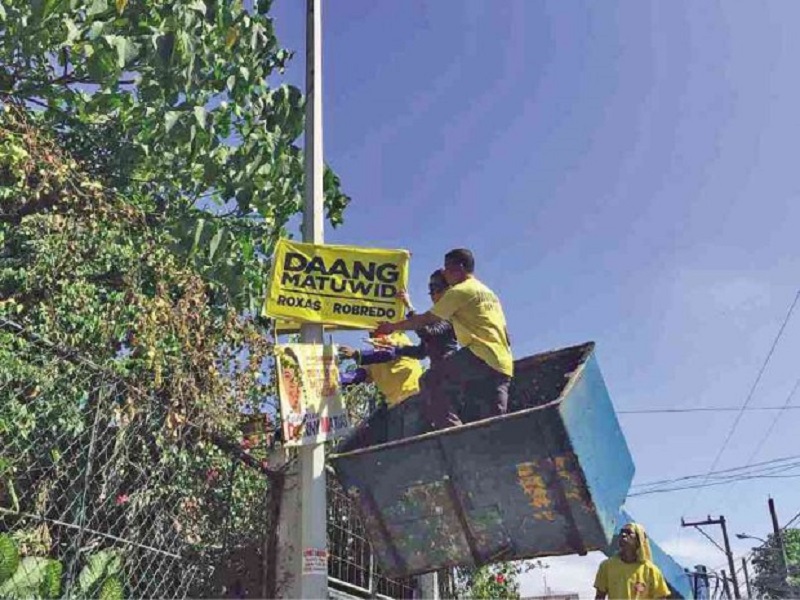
727,550
746,578
725,589
778,533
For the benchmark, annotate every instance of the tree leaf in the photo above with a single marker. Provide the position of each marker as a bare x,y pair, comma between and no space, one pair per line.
200,115
199,6
231,37
97,7
212,248
171,118
50,6
95,30
73,33
101,65
126,49
198,233
25,581
99,565
121,4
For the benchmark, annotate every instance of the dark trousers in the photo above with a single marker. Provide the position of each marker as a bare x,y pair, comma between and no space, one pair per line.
462,389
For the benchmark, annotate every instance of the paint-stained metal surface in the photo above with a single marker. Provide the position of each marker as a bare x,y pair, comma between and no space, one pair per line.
547,479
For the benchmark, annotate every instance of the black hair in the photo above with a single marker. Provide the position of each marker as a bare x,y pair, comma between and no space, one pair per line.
462,257
291,353
438,280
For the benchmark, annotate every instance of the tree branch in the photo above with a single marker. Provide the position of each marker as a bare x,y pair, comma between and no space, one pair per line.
37,102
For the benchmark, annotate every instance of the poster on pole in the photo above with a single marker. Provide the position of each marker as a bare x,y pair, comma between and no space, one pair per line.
312,408
338,285
315,561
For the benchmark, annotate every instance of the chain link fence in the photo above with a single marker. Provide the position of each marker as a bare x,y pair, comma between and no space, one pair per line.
101,496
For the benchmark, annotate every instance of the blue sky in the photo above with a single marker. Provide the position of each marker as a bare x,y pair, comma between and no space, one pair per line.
625,172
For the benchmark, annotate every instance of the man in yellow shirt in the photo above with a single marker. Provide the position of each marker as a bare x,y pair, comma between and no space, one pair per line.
631,573
472,383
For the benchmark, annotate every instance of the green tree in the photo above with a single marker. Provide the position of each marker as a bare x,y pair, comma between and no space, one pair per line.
171,104
148,162
770,579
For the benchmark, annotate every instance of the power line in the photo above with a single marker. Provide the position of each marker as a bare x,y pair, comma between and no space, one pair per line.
792,520
768,470
772,425
774,461
654,411
709,484
719,481
750,394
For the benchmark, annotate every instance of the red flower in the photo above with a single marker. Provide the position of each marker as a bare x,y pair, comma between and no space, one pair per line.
211,476
246,444
500,578
122,499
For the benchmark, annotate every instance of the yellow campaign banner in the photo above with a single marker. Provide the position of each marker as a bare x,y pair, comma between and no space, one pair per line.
338,285
312,409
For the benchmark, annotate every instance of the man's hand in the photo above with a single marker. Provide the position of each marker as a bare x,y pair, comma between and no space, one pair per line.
380,342
384,328
403,296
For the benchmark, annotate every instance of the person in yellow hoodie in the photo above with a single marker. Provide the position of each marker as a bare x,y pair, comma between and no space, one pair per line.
631,572
396,376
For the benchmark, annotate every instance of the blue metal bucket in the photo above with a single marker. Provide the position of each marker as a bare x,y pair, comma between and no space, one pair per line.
547,479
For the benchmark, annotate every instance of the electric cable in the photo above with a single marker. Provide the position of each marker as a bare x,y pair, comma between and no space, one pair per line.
749,397
772,425
657,411
728,470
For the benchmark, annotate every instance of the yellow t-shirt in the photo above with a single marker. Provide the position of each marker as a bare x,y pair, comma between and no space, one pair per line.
479,322
621,580
399,378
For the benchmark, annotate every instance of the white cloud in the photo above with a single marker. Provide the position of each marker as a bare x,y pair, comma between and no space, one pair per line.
564,574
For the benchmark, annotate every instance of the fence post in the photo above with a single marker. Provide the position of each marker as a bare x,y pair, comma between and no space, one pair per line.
429,585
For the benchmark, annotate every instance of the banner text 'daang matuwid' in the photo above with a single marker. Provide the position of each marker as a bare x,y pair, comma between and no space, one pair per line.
340,285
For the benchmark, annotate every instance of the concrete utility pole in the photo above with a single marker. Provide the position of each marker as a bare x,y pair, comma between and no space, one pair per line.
313,526
726,550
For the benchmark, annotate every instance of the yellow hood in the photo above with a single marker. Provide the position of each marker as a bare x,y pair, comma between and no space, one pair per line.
643,553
